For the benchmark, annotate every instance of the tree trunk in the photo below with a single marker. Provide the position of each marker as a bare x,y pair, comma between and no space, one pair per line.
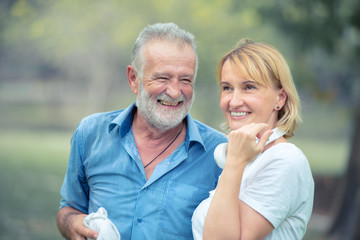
347,220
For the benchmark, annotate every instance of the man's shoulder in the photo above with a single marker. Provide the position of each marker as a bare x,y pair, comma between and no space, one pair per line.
102,115
99,119
206,130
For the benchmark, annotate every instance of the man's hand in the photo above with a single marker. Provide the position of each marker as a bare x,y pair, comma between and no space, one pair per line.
71,224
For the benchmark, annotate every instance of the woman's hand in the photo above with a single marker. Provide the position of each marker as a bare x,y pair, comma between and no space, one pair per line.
242,147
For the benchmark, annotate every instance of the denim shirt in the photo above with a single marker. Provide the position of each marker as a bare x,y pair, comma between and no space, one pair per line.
105,170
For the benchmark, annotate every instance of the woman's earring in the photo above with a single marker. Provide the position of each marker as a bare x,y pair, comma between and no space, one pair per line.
277,107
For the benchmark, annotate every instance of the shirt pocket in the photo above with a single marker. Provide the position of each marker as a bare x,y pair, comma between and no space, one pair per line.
179,203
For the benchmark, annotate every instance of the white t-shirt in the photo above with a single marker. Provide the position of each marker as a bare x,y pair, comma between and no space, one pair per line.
279,185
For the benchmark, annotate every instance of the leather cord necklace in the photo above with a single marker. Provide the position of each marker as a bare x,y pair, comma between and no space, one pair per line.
166,147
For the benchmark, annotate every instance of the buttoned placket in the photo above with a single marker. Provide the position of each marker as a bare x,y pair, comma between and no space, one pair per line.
163,168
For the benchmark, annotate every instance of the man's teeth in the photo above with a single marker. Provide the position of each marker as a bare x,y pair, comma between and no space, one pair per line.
238,114
168,103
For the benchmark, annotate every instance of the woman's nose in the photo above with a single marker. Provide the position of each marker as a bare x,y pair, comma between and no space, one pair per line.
236,99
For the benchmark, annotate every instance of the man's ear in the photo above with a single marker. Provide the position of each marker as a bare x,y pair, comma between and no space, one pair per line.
132,78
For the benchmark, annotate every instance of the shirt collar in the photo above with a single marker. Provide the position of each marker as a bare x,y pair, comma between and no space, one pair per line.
124,119
193,134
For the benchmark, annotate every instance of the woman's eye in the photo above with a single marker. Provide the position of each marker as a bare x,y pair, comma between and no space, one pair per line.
226,88
249,87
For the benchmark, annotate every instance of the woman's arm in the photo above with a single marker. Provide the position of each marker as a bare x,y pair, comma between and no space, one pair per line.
228,217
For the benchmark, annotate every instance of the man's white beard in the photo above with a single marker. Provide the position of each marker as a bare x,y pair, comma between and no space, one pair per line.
156,115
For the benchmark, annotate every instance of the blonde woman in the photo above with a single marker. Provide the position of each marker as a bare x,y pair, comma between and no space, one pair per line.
266,188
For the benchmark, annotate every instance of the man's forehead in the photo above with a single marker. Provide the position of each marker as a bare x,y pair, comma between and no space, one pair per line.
165,46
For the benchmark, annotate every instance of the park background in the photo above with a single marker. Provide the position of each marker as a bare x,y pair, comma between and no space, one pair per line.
62,60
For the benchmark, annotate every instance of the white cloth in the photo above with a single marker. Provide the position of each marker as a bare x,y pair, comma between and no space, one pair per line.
279,185
99,222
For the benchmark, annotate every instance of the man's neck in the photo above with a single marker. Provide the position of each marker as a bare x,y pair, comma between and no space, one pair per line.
153,144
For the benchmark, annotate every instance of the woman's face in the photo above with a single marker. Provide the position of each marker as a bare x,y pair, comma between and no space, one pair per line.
245,101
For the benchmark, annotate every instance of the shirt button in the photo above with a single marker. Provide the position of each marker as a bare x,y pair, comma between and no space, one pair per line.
139,220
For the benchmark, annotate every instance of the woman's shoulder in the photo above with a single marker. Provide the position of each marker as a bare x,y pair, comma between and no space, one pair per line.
286,155
286,150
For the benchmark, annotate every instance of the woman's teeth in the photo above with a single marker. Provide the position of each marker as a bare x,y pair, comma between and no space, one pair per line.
238,114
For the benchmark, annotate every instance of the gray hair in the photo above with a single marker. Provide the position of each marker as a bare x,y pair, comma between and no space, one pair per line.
160,31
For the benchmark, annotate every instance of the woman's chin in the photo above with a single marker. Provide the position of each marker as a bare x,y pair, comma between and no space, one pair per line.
235,126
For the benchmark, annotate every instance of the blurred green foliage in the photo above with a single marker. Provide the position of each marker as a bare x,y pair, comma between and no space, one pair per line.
76,52
85,46
63,60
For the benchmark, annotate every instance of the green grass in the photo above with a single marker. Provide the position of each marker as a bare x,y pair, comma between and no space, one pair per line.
33,164
32,168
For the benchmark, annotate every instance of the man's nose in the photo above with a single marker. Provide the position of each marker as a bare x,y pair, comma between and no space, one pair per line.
173,88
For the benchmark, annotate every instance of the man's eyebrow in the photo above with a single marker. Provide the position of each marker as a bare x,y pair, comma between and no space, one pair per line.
166,74
187,75
161,74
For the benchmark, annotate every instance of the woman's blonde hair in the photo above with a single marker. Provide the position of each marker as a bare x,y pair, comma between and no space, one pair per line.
264,64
